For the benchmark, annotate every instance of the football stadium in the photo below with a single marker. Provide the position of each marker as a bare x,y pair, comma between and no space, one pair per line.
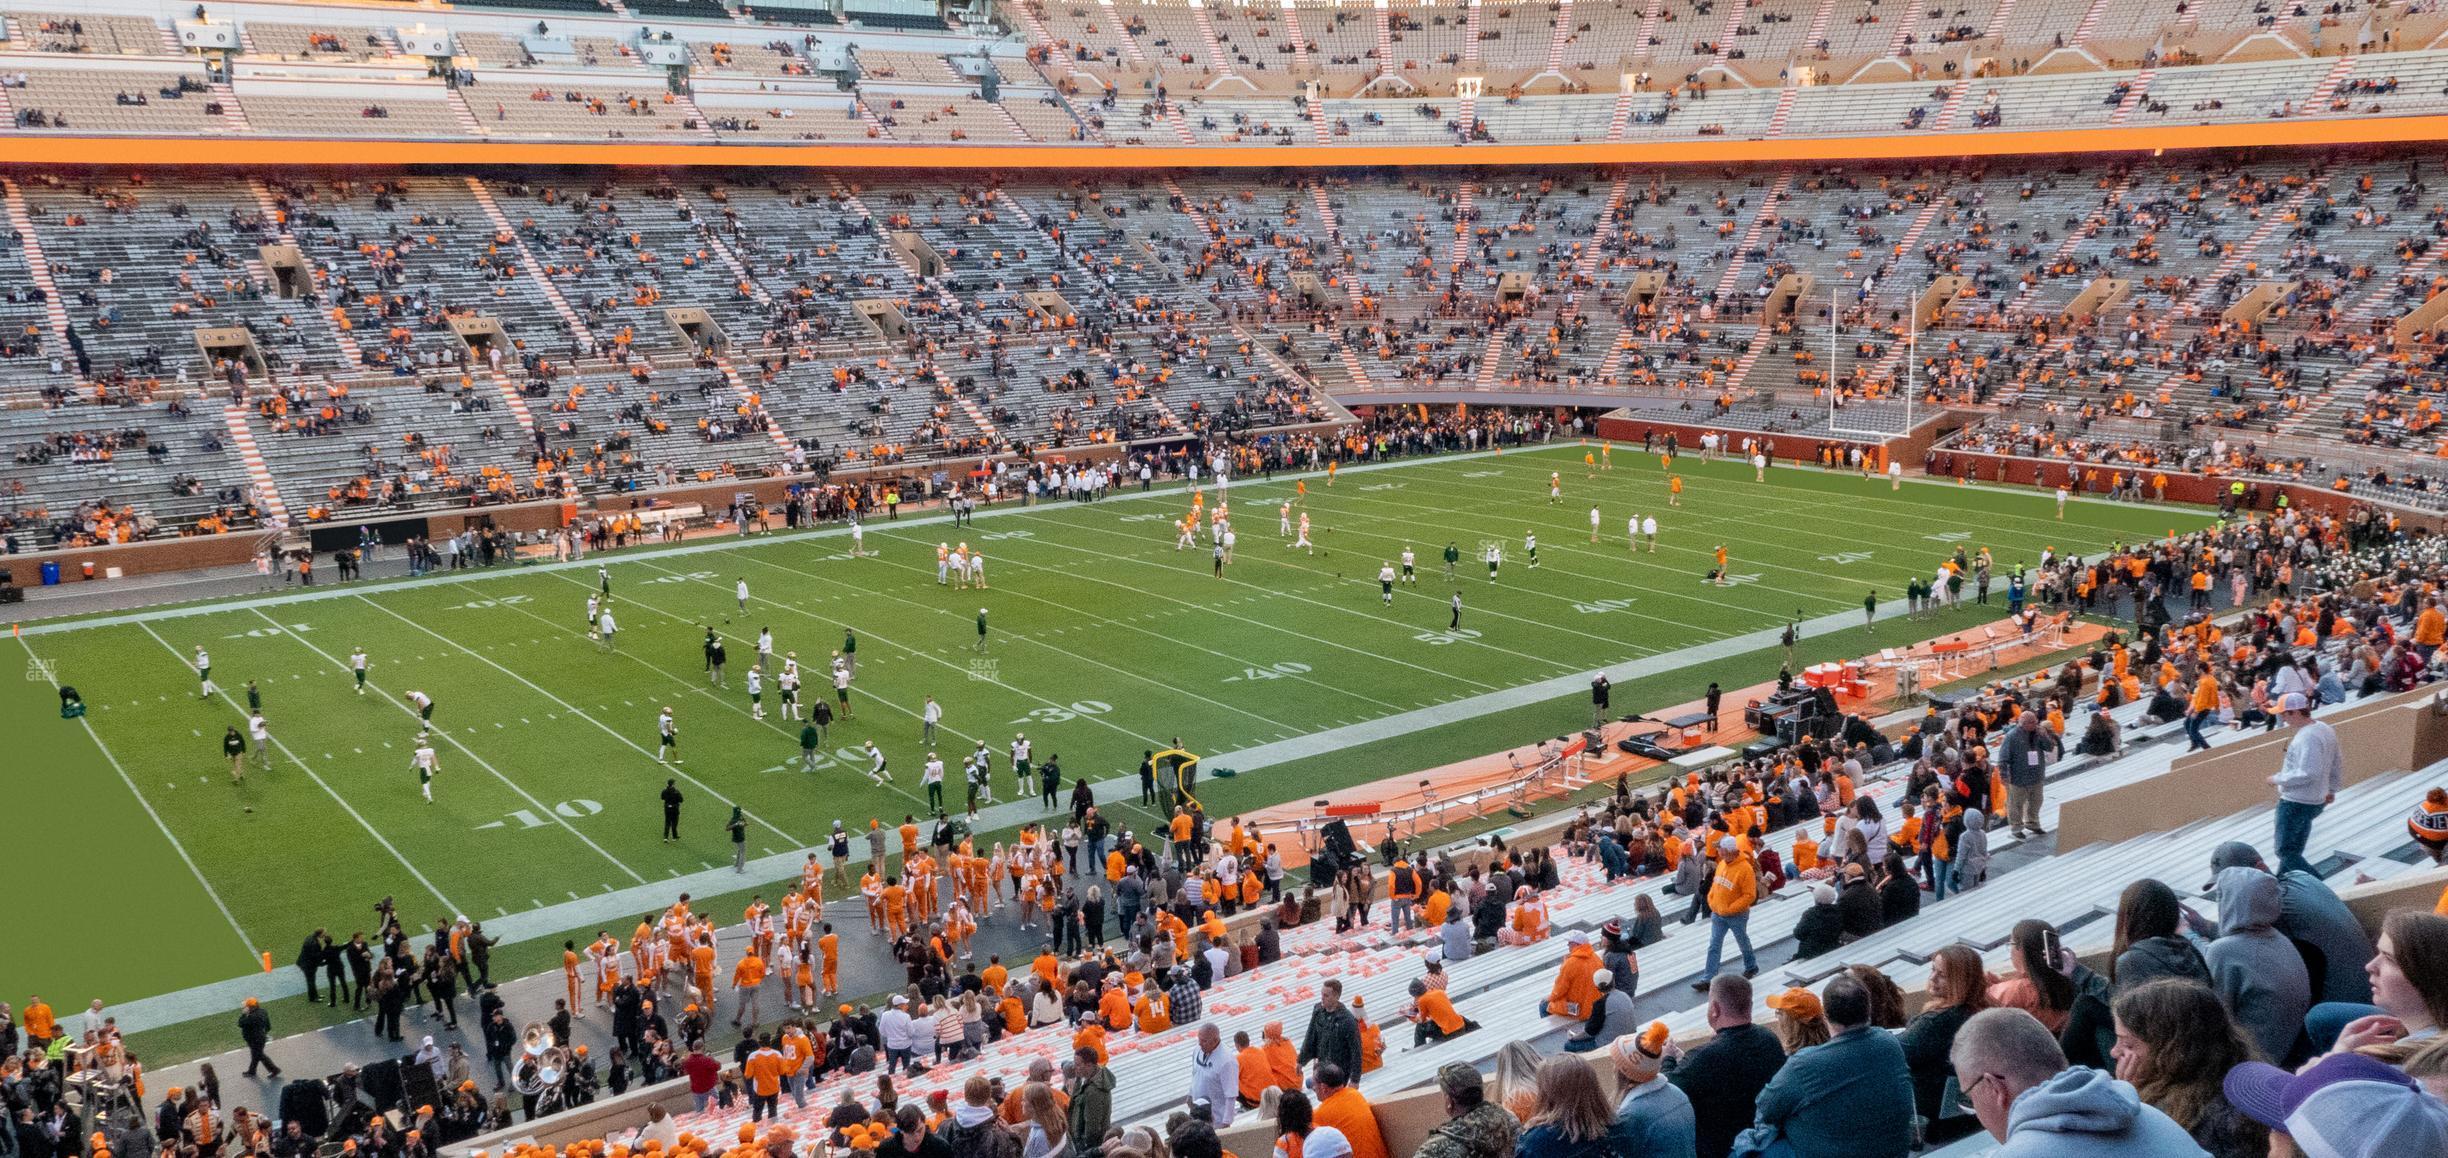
1180,578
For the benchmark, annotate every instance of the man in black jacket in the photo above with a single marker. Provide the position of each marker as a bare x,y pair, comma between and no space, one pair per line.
310,962
1859,906
479,949
1723,1078
499,1039
1334,1034
255,1026
1821,927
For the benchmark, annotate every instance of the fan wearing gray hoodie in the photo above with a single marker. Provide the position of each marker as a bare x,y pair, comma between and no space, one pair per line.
2256,970
2011,1070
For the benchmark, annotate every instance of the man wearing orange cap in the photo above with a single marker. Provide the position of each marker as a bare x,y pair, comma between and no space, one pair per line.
255,1026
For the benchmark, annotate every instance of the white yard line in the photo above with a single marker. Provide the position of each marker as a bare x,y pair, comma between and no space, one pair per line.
254,955
1122,625
930,657
583,714
820,683
1563,543
311,774
1335,607
1123,672
541,808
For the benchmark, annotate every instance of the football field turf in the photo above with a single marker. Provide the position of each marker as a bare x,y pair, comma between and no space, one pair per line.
153,873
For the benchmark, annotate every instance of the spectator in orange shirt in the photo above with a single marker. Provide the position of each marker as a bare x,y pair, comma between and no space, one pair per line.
764,1070
1342,1107
748,981
2201,710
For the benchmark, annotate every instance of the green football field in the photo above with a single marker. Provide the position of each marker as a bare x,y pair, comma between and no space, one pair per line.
157,874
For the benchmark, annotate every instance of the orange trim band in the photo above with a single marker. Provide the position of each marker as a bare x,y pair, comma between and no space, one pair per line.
183,151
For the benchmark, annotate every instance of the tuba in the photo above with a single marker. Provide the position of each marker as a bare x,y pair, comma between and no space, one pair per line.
540,1063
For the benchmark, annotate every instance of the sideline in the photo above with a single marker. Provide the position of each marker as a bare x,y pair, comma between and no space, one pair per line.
831,530
218,997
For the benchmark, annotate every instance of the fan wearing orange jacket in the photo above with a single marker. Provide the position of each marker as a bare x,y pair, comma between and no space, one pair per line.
1731,894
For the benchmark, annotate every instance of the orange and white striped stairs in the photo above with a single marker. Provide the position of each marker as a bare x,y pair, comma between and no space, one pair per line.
1463,225
2379,297
858,206
1733,27
1352,365
1385,38
2351,381
1189,207
1019,131
516,402
1130,43
527,260
2329,83
1897,44
688,104
232,113
876,128
977,416
1750,358
1825,15
1563,33
1997,21
1648,26
466,116
2134,96
1731,279
1325,210
2273,218
259,471
1300,39
1603,231
1266,354
1037,31
722,250
1470,34
748,397
2073,240
2088,24
1954,105
1920,225
1216,55
1491,358
1612,364
1317,121
54,311
280,222
1621,119
1786,99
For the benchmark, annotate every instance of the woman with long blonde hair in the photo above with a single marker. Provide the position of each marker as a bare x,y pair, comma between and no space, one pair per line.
1573,1114
1048,1127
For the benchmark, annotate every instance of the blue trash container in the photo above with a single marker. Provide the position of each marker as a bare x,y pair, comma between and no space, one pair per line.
50,573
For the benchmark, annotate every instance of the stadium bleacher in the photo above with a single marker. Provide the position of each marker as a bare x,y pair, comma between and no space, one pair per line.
194,351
